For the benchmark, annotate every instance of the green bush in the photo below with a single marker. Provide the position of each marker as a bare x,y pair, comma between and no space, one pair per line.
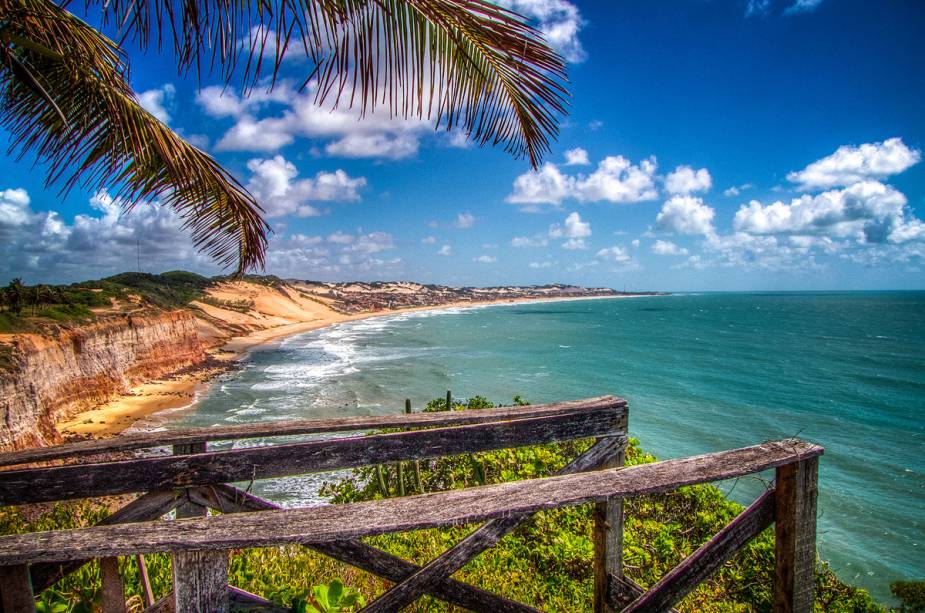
911,594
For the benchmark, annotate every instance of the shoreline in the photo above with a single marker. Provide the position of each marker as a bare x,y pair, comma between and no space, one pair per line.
182,391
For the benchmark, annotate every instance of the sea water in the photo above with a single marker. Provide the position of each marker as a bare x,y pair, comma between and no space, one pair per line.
702,372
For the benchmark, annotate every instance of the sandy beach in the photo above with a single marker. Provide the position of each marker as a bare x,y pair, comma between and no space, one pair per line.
184,389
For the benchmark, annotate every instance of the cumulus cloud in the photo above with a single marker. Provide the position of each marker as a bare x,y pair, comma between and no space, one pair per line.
574,230
686,180
445,250
558,20
577,157
42,247
802,6
661,247
537,240
849,164
868,212
464,221
616,254
428,240
275,184
546,264
339,255
685,215
616,179
485,259
377,135
735,190
158,101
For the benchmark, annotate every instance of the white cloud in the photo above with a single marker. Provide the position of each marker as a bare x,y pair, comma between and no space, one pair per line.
685,215
544,186
340,255
577,157
546,264
42,247
616,180
661,247
757,8
275,185
158,101
574,230
802,6
348,134
445,250
558,20
485,259
616,254
428,240
685,180
464,221
868,211
537,240
735,190
851,164
385,146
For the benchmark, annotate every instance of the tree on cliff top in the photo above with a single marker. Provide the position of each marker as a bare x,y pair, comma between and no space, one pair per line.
65,95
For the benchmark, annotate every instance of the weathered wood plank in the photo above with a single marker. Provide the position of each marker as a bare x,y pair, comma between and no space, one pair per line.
486,536
683,578
144,508
229,499
795,534
288,428
147,593
348,521
621,591
187,508
113,590
16,589
200,581
239,601
90,480
608,541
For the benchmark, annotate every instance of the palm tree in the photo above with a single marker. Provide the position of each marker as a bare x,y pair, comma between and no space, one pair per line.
64,91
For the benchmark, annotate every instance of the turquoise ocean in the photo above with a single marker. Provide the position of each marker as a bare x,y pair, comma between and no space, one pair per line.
702,372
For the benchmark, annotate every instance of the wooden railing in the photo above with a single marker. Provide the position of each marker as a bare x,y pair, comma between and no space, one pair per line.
194,480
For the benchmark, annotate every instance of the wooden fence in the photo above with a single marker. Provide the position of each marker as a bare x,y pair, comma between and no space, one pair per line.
194,480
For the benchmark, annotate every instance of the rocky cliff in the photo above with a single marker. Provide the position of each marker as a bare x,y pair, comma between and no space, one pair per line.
52,378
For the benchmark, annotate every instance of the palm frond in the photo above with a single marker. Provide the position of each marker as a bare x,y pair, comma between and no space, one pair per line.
77,112
467,63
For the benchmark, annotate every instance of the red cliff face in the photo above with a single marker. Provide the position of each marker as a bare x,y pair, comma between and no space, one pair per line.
55,378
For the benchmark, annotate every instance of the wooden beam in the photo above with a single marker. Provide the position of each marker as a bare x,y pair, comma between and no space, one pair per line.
200,581
16,589
112,590
454,558
687,575
795,534
621,591
288,428
147,593
171,472
342,522
229,499
239,601
144,508
608,541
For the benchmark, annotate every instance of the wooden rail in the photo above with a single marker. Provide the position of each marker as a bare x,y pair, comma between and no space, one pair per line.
195,479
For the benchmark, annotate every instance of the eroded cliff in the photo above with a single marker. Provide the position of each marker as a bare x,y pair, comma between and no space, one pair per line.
50,378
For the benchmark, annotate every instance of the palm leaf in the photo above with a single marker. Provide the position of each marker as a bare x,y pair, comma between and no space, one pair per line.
467,63
78,113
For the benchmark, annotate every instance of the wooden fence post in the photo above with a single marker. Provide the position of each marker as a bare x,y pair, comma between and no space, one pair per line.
113,590
16,589
200,578
608,542
795,533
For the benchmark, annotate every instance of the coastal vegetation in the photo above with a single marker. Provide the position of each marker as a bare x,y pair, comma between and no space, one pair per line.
545,562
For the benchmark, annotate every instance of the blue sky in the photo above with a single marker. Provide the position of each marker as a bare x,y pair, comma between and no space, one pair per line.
710,145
